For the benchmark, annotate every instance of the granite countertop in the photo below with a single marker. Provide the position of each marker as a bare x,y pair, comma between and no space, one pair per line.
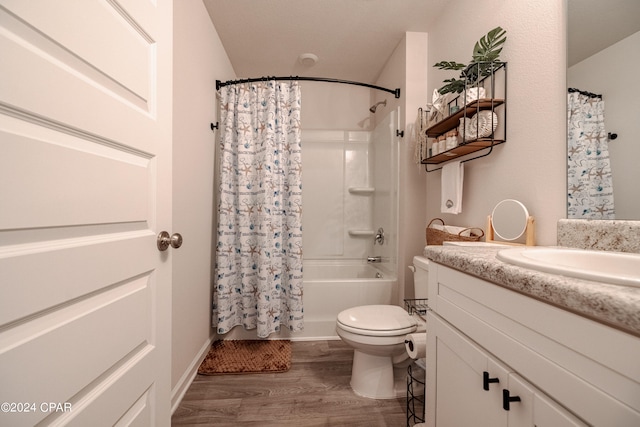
613,305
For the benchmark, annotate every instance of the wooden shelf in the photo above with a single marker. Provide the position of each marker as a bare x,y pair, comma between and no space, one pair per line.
493,85
453,120
462,150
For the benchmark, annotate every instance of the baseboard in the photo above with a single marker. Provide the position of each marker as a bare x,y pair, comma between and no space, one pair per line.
178,392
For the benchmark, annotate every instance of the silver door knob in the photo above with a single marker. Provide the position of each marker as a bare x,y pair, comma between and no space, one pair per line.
176,240
165,240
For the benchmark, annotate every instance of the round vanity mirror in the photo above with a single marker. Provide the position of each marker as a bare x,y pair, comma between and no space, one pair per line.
509,219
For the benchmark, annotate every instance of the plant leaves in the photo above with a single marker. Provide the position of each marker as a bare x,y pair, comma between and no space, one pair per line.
449,65
488,48
452,85
485,52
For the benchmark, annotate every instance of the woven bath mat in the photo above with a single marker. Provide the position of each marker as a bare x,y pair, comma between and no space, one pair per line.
245,357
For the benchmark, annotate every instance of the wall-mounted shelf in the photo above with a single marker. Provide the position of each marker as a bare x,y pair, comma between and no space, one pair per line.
494,83
463,150
452,121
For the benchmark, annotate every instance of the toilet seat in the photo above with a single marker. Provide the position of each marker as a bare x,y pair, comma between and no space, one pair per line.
377,321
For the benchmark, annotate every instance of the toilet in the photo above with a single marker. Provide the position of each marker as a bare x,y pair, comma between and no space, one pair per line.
377,334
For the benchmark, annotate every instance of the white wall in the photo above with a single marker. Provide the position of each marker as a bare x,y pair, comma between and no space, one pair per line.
334,106
530,166
408,69
199,59
608,73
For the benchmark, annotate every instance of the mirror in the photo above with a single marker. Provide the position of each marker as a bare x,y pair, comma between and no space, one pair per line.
509,219
603,47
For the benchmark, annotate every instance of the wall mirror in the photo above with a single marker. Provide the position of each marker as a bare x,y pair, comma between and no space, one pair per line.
509,219
603,49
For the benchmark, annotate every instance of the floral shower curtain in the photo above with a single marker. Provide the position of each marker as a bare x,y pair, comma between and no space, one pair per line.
590,184
259,249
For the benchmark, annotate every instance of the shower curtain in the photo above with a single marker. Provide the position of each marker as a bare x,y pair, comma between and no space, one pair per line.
259,249
590,184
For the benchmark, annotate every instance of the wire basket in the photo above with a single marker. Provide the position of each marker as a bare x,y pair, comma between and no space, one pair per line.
418,305
435,236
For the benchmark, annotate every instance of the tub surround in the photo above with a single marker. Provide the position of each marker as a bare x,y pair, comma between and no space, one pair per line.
621,236
613,305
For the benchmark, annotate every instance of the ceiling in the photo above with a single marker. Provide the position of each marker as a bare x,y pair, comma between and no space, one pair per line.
597,24
353,39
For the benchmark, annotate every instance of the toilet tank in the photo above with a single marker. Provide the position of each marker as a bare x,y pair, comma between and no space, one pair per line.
420,276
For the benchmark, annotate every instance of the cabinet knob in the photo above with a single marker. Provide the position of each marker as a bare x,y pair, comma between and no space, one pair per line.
507,399
486,380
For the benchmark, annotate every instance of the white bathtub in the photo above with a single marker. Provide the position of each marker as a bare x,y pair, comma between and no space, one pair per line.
330,287
333,286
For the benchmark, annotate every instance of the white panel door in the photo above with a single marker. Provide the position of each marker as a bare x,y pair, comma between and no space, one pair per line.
85,187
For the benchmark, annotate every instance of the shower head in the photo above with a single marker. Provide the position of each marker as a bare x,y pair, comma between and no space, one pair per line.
375,107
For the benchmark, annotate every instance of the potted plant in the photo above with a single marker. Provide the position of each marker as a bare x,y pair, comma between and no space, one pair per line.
486,55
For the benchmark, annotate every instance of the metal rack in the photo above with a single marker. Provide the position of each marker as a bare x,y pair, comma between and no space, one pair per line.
415,393
416,371
418,306
494,87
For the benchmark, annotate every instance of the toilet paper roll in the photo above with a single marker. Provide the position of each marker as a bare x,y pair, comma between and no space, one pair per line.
416,345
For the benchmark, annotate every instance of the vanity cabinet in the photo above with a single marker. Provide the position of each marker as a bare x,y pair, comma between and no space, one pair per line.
500,358
474,388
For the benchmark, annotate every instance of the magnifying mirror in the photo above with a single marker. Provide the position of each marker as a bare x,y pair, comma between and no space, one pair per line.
509,219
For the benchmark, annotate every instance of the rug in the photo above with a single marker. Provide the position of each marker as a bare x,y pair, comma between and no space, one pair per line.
247,357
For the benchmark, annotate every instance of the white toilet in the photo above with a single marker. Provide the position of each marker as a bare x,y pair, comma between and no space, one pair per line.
377,334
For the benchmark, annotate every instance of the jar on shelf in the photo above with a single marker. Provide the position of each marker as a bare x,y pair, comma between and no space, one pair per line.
442,143
452,139
434,147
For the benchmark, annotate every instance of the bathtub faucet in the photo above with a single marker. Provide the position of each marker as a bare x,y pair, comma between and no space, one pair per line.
374,259
379,237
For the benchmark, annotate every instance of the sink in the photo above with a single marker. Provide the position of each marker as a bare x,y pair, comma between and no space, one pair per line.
602,266
476,244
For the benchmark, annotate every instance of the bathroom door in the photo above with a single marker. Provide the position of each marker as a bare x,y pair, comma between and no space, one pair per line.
85,187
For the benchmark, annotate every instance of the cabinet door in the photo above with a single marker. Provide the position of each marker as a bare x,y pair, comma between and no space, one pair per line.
536,409
461,399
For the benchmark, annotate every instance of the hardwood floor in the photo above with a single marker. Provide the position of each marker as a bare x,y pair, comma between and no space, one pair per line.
314,392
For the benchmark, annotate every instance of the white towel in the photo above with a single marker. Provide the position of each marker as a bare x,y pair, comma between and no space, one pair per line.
420,137
451,197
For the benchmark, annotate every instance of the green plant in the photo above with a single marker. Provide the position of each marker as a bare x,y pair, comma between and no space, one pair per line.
486,54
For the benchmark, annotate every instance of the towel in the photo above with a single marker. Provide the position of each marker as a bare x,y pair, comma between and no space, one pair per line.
451,193
419,136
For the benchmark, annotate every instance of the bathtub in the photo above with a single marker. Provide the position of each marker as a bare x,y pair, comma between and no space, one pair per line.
330,287
333,286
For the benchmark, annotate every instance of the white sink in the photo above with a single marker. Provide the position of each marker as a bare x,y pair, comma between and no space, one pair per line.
464,243
602,266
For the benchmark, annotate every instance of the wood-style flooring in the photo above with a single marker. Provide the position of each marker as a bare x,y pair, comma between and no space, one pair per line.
314,392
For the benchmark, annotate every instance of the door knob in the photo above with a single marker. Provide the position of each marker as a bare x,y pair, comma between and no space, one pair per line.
176,240
165,240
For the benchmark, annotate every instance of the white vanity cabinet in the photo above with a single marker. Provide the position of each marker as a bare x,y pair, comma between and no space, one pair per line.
473,388
489,348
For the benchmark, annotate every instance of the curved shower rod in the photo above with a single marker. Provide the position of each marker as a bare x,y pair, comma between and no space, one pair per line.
219,84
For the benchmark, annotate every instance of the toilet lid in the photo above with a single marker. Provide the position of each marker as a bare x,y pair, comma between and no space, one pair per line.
377,320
